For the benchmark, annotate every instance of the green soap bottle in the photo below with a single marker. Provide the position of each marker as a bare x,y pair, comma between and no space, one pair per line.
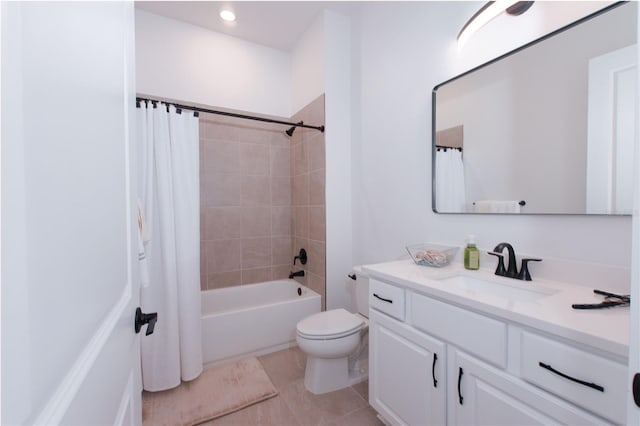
471,254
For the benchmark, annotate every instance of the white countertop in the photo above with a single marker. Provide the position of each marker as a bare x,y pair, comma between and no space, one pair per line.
605,329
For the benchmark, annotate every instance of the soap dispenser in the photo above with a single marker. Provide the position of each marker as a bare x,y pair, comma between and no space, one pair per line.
471,254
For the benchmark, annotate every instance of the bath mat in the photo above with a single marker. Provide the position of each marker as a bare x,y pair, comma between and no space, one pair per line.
216,392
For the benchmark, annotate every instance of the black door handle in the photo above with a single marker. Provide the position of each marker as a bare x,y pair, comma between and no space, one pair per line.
636,389
142,319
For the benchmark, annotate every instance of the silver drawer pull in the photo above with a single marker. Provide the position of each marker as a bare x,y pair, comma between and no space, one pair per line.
382,298
573,379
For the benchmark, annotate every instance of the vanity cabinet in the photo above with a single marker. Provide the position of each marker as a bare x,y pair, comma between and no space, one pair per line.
586,379
407,382
434,363
480,394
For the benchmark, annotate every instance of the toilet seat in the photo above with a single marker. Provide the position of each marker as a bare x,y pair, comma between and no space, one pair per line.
332,324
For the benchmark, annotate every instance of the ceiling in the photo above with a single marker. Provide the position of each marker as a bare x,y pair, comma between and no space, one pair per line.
277,24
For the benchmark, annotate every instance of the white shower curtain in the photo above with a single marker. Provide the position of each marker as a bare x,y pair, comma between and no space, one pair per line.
168,188
450,192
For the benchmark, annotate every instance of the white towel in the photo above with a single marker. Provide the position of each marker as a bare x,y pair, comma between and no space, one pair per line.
496,206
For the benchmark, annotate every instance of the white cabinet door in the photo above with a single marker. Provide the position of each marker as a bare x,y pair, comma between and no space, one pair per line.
482,395
69,264
407,383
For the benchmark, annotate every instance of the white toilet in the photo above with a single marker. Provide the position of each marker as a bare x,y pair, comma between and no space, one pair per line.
334,341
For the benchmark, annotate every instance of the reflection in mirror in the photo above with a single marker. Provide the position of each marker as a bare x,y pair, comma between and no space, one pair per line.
546,129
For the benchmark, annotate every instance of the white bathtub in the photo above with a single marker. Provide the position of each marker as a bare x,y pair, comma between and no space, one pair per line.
253,319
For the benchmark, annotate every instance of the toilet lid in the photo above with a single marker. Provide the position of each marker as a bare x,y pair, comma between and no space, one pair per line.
336,322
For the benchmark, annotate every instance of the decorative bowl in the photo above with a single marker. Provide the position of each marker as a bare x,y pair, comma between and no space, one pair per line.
432,254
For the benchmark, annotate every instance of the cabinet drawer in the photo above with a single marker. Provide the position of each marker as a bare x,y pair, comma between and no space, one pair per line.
387,298
476,334
590,381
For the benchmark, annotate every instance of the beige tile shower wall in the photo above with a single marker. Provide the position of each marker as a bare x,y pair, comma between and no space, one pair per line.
308,195
245,202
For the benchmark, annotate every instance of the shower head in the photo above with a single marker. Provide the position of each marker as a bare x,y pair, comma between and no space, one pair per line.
292,129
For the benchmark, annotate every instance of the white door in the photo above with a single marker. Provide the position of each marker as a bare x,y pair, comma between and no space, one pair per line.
633,399
69,264
611,131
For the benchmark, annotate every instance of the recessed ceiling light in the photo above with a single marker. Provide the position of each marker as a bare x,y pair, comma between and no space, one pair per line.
228,15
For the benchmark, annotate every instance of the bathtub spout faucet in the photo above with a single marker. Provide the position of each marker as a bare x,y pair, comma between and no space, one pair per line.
296,274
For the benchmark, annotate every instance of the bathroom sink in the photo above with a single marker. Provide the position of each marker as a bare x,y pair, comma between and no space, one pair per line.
517,292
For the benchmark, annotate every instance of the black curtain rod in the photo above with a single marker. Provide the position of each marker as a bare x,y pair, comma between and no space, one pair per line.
231,114
448,147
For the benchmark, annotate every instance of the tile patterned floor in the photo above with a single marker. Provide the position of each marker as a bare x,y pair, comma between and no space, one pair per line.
296,406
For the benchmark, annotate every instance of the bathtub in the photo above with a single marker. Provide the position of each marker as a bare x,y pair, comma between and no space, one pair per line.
253,319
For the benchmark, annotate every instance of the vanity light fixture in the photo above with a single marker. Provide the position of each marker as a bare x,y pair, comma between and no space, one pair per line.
227,15
489,11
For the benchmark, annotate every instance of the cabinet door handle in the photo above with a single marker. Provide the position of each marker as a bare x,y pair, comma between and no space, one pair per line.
433,370
382,298
460,373
573,379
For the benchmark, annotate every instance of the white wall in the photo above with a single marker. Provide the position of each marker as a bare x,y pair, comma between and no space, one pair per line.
321,64
405,49
308,66
337,53
184,62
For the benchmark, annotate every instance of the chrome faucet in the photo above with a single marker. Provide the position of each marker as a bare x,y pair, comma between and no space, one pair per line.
512,270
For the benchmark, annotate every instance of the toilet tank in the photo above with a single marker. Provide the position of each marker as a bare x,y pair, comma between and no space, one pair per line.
360,291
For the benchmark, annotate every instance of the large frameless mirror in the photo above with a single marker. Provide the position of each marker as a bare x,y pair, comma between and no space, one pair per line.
545,129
